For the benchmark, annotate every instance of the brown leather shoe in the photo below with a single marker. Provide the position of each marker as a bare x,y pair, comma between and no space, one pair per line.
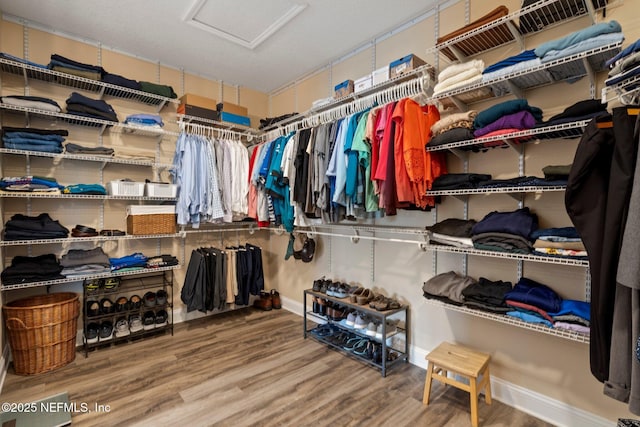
275,299
264,302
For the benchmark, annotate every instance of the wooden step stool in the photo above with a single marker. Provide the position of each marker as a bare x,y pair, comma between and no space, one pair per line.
464,362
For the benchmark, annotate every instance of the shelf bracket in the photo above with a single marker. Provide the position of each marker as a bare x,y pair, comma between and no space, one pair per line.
462,155
458,53
462,197
515,89
101,93
512,144
592,76
591,10
516,34
102,129
519,197
161,105
459,104
356,236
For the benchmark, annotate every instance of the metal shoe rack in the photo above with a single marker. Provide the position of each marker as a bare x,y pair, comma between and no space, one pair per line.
128,286
398,344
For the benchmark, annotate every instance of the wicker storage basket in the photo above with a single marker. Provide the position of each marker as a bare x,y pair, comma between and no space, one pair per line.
42,331
151,224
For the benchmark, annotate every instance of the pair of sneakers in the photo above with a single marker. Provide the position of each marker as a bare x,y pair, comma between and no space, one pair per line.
151,320
124,326
98,332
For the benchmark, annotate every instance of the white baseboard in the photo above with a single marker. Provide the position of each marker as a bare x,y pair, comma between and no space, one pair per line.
4,365
543,407
533,403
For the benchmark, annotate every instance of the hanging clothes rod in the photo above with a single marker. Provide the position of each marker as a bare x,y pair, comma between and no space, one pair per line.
212,129
413,88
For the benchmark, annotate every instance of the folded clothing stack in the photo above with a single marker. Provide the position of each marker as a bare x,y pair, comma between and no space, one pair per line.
158,89
162,261
69,66
147,120
559,242
135,261
32,139
25,269
591,37
72,148
78,262
505,231
459,75
35,102
30,184
447,287
532,302
22,227
487,295
89,189
624,66
80,105
581,110
506,117
458,181
452,232
453,128
573,316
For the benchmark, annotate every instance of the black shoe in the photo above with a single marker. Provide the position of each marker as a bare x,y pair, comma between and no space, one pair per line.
91,333
161,297
122,304
107,306
135,302
106,330
162,318
93,308
148,320
149,299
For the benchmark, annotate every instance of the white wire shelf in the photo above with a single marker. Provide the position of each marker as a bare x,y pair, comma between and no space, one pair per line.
91,122
509,255
76,82
565,130
86,239
4,287
83,157
573,66
560,333
45,195
626,91
498,190
514,26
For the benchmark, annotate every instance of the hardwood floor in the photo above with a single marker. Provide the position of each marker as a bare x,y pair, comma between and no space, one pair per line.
248,368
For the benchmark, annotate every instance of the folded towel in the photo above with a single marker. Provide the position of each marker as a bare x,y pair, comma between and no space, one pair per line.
578,36
463,79
453,70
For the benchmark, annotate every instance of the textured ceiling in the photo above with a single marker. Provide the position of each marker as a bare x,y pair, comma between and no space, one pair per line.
261,44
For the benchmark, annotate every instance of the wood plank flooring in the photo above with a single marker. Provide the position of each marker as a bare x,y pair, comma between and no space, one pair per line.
249,368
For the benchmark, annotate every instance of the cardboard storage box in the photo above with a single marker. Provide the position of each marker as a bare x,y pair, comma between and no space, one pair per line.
380,75
235,118
404,65
148,219
362,83
343,89
125,188
228,107
198,101
192,110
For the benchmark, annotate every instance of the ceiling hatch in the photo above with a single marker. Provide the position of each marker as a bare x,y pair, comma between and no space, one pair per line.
247,23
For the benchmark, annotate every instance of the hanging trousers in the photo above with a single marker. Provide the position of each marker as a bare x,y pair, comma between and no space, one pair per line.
597,199
623,383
